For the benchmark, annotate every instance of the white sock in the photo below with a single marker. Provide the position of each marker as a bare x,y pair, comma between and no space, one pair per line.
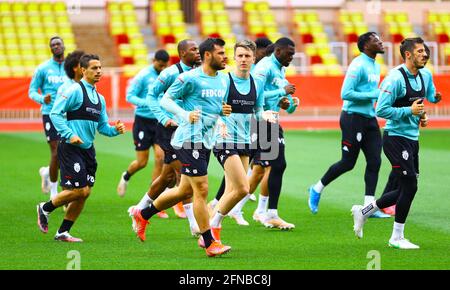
216,221
368,199
262,203
397,232
272,212
145,202
213,203
53,189
189,210
368,210
238,207
319,187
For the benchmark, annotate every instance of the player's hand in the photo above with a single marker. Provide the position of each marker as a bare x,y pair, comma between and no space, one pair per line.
75,140
438,97
284,103
270,116
194,116
47,99
120,127
424,120
290,89
417,108
170,123
226,109
296,101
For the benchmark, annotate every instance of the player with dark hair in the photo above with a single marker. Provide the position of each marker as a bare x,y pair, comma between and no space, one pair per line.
86,114
262,44
145,123
401,104
270,74
73,70
167,124
202,92
47,78
359,126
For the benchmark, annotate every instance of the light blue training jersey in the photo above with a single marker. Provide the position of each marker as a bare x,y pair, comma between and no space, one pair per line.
271,75
238,125
360,88
138,89
47,78
197,91
401,121
157,89
71,100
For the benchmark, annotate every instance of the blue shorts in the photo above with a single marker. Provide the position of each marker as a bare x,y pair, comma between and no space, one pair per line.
194,159
225,150
144,132
77,166
163,137
50,131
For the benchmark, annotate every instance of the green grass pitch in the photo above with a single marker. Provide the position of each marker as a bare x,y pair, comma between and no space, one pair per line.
323,241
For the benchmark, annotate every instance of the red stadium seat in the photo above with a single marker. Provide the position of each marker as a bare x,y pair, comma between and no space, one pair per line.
307,38
174,59
397,37
121,38
127,60
442,38
170,38
316,59
352,37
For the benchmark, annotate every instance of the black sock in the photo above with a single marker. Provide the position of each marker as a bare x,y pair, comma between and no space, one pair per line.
48,207
148,212
65,226
127,176
207,238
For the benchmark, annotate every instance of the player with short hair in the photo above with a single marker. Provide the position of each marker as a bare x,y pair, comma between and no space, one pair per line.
202,92
401,104
359,126
86,113
167,124
145,123
47,78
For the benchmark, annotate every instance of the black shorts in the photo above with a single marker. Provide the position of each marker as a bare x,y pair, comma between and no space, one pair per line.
163,137
403,153
77,166
359,132
144,133
194,159
224,150
49,129
270,139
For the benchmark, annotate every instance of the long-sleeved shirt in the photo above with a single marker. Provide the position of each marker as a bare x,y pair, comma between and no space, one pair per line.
197,91
400,120
238,125
48,77
157,89
71,100
138,89
271,75
360,88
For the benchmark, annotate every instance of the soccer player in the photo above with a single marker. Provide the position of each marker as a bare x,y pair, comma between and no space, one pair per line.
86,114
401,104
359,126
73,71
167,124
145,123
392,181
270,74
202,92
47,78
232,149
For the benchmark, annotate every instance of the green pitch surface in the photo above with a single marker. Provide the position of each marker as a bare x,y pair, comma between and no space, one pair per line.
322,241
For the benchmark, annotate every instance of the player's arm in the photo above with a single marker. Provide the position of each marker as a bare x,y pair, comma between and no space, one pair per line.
134,91
103,126
351,80
36,82
177,90
70,100
260,114
155,89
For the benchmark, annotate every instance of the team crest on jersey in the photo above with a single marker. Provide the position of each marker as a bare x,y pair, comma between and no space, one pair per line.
405,154
77,167
141,135
359,136
195,154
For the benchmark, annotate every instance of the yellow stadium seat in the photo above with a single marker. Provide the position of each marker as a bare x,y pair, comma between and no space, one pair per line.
291,71
162,18
298,16
269,29
444,17
5,7
357,17
116,18
393,28
125,50
117,29
60,6
323,49
179,28
319,70
203,5
401,17
311,17
389,17
249,6
335,70
347,27
320,38
222,16
207,17
262,6
176,16
209,28
344,16
315,27
303,28
173,5
310,49
329,59
218,5
267,17
163,29
46,7
432,17
18,7
159,6
127,6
